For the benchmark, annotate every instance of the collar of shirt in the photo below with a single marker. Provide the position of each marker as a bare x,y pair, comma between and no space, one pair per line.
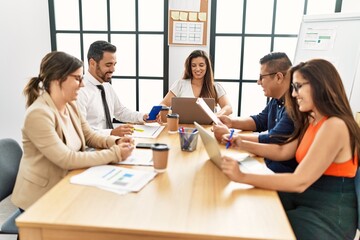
91,79
280,102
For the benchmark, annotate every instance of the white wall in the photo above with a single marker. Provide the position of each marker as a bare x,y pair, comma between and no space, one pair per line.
25,39
25,32
179,53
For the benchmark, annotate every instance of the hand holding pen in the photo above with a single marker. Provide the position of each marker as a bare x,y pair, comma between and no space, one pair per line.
123,130
137,129
228,144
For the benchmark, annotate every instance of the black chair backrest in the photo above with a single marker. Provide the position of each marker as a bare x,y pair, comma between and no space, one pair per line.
357,186
10,156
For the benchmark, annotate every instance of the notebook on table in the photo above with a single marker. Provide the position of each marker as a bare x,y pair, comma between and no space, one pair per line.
246,163
189,111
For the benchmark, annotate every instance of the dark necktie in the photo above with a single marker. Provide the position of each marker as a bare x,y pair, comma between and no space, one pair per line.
106,108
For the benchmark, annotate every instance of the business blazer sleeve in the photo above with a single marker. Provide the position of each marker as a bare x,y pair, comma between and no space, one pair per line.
91,137
42,127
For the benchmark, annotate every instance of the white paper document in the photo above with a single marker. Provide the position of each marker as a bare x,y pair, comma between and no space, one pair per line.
141,157
208,111
188,32
147,130
248,164
251,165
319,39
114,178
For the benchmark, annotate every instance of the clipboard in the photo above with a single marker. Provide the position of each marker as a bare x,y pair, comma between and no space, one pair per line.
208,111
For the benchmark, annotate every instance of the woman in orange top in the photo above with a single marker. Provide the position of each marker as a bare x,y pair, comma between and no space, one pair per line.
319,197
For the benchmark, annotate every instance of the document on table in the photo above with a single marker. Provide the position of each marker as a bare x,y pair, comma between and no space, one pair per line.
248,164
142,157
113,178
251,165
147,130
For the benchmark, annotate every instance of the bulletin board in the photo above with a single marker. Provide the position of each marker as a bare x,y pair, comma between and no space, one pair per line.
188,25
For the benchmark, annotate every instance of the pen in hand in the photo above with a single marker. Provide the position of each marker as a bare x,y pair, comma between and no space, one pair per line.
230,137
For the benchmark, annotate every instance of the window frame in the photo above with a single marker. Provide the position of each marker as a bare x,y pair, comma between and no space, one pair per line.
109,32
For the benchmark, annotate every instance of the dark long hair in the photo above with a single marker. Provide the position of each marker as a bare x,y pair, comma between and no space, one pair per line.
329,98
54,66
208,88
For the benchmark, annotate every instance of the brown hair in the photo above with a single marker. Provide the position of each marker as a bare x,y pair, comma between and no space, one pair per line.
54,66
329,98
208,88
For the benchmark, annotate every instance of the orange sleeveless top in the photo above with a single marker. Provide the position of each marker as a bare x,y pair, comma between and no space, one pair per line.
345,169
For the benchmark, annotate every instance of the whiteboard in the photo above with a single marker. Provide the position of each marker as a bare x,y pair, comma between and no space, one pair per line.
336,38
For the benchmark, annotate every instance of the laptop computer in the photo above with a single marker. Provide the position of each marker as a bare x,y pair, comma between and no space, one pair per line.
189,111
247,164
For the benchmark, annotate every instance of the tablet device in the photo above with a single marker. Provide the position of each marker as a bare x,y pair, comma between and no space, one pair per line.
246,163
154,112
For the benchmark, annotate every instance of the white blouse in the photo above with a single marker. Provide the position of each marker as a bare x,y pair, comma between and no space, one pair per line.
182,88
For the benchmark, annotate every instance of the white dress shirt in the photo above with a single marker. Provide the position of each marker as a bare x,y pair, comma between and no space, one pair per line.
90,105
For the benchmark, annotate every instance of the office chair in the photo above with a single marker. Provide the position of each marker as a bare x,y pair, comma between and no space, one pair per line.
357,187
10,156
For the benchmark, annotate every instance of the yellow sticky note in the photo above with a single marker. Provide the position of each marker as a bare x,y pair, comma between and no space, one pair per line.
358,118
192,16
183,16
175,15
202,16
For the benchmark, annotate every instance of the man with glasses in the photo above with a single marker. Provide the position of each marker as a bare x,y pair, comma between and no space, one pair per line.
273,123
98,101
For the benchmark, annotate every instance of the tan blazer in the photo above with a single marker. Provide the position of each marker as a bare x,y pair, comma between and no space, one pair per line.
47,158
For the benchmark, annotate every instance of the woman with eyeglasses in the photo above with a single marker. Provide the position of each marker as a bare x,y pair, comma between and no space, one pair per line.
319,197
55,134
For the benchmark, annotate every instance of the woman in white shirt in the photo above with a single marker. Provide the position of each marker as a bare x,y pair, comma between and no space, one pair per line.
198,81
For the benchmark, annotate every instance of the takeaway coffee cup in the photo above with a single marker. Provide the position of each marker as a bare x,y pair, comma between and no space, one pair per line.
163,113
160,153
173,122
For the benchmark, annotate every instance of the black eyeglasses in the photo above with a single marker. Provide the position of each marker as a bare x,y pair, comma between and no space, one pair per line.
296,86
78,78
261,76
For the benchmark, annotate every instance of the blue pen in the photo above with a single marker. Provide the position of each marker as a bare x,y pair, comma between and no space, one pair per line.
230,137
189,140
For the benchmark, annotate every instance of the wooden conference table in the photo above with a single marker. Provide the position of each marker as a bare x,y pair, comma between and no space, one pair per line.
193,199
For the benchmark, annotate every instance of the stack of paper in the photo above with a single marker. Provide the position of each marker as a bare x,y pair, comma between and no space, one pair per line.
113,178
147,130
208,111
